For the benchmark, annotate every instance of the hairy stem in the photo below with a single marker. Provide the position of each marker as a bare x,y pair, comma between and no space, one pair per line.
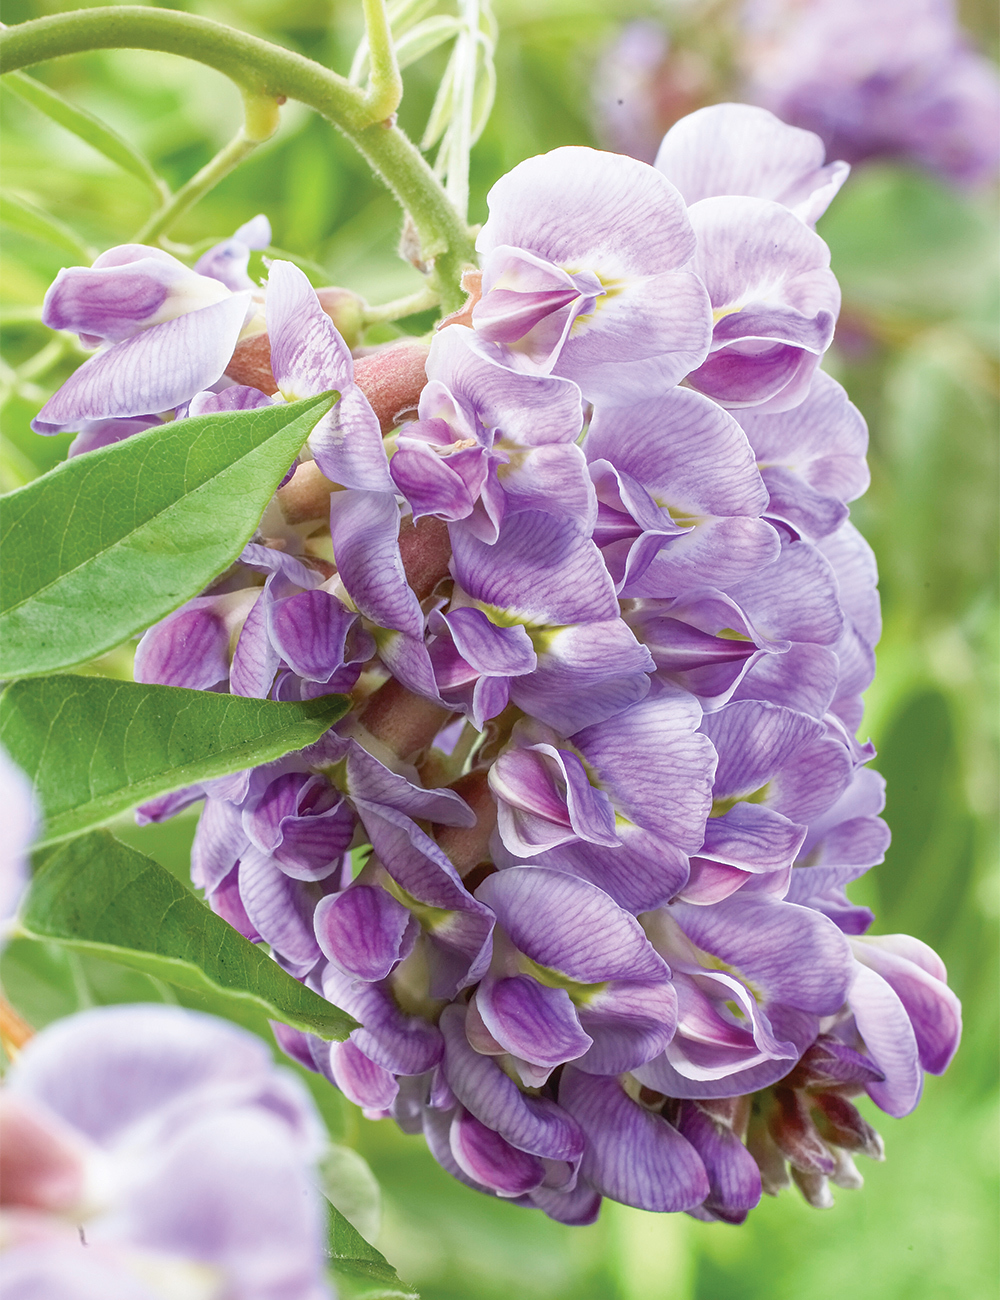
422,300
230,156
385,85
265,72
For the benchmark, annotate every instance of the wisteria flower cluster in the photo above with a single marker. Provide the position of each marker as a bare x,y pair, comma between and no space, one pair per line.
576,858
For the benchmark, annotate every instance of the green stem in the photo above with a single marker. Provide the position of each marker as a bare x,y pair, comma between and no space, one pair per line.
266,72
422,300
238,148
385,85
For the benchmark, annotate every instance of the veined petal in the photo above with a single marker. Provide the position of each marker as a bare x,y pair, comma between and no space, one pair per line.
154,371
632,1155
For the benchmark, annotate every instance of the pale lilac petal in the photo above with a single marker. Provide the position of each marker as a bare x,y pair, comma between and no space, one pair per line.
752,837
347,443
153,371
496,651
570,925
752,251
364,528
309,630
128,289
530,1123
530,409
632,1155
255,659
792,1032
669,313
108,1068
188,648
238,397
621,213
741,149
219,843
585,675
732,1171
916,975
104,433
630,1021
279,907
359,1079
685,450
794,599
541,569
795,955
399,1043
889,1040
308,357
804,678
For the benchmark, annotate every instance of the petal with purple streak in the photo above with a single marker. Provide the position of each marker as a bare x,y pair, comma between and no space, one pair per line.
362,930
153,371
632,1155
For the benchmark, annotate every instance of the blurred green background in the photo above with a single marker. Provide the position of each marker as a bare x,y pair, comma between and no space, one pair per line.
918,352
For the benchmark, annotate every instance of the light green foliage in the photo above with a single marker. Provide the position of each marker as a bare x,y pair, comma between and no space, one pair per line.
362,1272
102,897
107,543
143,741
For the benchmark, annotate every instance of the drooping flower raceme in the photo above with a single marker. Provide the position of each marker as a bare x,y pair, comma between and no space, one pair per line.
895,80
150,1151
576,858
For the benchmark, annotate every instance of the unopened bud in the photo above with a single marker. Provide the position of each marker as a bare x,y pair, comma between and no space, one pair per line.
843,1125
347,311
814,1187
392,378
795,1134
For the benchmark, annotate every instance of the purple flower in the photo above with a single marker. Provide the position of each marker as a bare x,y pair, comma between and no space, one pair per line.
166,332
740,149
573,978
585,275
621,803
180,1151
774,302
899,80
489,441
309,356
227,262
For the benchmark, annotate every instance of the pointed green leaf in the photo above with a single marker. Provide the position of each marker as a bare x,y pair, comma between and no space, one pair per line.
99,896
83,124
21,215
107,543
362,1272
426,36
142,741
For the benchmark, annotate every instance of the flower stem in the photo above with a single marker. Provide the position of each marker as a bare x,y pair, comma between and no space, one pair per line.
238,148
265,72
422,300
385,85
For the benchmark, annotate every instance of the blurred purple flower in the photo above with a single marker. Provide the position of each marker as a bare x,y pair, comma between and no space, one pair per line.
151,1147
894,80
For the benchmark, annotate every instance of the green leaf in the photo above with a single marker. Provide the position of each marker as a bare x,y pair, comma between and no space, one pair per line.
362,1272
100,897
86,126
347,1182
107,543
21,215
142,741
